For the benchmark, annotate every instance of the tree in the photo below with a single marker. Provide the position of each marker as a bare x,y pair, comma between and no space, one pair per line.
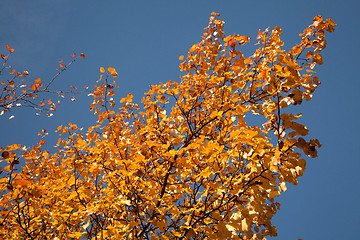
201,171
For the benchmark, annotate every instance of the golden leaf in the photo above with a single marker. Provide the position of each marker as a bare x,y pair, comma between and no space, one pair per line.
317,59
21,182
111,70
128,98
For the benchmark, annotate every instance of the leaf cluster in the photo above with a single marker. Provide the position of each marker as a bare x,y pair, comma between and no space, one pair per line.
18,90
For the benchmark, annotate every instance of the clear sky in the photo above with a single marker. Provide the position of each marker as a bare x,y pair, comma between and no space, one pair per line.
143,40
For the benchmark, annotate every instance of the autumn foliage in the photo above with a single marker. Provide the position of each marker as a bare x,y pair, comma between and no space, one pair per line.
190,163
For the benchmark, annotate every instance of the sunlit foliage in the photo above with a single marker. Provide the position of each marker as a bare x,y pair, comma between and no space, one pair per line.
189,163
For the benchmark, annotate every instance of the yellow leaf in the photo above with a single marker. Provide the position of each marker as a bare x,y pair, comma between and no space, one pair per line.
72,180
172,152
276,158
273,194
282,187
102,70
244,225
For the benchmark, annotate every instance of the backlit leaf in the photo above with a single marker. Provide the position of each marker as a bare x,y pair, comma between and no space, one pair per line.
317,59
10,49
128,98
22,182
309,54
111,70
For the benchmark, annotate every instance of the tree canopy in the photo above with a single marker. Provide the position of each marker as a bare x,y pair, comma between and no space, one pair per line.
187,164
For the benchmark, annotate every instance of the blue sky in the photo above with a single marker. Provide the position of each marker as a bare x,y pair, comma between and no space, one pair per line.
143,40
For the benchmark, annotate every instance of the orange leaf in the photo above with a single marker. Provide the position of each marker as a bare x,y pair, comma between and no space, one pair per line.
114,74
8,168
58,128
259,35
73,87
228,38
12,71
10,49
181,58
128,98
3,56
318,59
34,87
102,70
242,39
111,70
73,55
21,182
309,54
82,55
238,62
14,147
